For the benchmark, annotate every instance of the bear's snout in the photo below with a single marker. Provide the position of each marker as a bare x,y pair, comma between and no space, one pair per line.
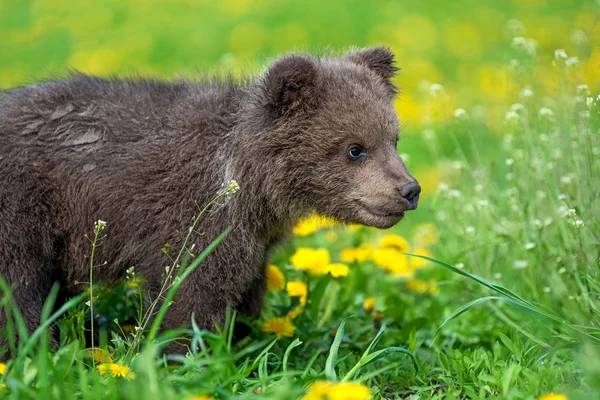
410,192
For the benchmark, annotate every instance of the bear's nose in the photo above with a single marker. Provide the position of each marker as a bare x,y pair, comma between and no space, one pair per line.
411,193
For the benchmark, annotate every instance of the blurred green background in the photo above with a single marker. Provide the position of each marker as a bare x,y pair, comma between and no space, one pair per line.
471,47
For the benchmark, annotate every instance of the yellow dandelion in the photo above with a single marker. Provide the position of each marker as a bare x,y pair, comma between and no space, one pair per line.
417,262
297,289
314,261
311,224
419,286
369,303
103,368
358,254
321,390
338,270
393,260
552,396
200,398
395,241
424,235
295,312
280,326
100,355
2,368
121,371
275,279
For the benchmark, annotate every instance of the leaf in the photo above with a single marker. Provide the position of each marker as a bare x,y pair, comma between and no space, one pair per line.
333,353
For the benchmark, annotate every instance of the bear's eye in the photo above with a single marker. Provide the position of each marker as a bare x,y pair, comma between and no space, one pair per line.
356,153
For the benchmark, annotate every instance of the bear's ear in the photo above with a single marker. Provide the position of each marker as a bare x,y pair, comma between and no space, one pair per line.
290,85
378,59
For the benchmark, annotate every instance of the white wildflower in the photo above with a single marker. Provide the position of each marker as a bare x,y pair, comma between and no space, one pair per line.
537,223
458,165
562,270
461,114
547,289
483,204
520,264
514,27
529,246
470,230
546,113
579,223
562,197
435,89
517,107
526,92
583,89
560,54
572,61
509,162
459,265
512,117
566,180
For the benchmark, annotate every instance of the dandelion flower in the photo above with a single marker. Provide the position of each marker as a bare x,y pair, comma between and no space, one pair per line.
338,270
312,224
297,289
368,304
358,254
2,368
313,260
121,371
275,279
280,326
294,313
393,260
552,396
200,398
321,390
395,241
419,286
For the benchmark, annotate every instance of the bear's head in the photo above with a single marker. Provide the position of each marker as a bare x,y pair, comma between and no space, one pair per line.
333,131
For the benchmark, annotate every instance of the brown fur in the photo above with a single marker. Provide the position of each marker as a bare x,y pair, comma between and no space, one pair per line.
137,153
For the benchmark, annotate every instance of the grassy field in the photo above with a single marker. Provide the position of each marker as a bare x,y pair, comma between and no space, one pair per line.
489,290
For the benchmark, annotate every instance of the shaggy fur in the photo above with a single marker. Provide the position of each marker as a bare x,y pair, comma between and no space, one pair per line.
137,153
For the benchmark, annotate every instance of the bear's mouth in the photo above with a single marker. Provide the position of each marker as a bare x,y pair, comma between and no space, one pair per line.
379,212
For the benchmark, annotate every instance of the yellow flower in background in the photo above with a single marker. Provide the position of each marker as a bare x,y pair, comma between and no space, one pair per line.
314,261
200,398
295,312
338,270
552,396
395,241
322,390
419,286
393,260
100,355
2,368
116,370
297,289
275,279
358,254
280,326
424,235
369,303
311,224
416,262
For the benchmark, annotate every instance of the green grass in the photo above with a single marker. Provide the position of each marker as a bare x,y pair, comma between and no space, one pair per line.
506,302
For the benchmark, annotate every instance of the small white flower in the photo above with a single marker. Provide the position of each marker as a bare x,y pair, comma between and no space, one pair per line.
546,113
526,92
583,89
459,265
537,223
458,165
517,107
548,221
562,270
436,89
578,38
579,223
560,54
562,197
520,264
461,114
566,180
470,230
512,117
529,246
572,61
454,193
547,289
88,303
519,42
509,162
99,225
443,187
589,101
513,28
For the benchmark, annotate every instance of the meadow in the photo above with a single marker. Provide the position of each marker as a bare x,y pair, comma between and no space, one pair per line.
489,290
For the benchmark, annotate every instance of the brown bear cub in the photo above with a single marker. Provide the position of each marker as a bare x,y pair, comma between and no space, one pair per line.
310,134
